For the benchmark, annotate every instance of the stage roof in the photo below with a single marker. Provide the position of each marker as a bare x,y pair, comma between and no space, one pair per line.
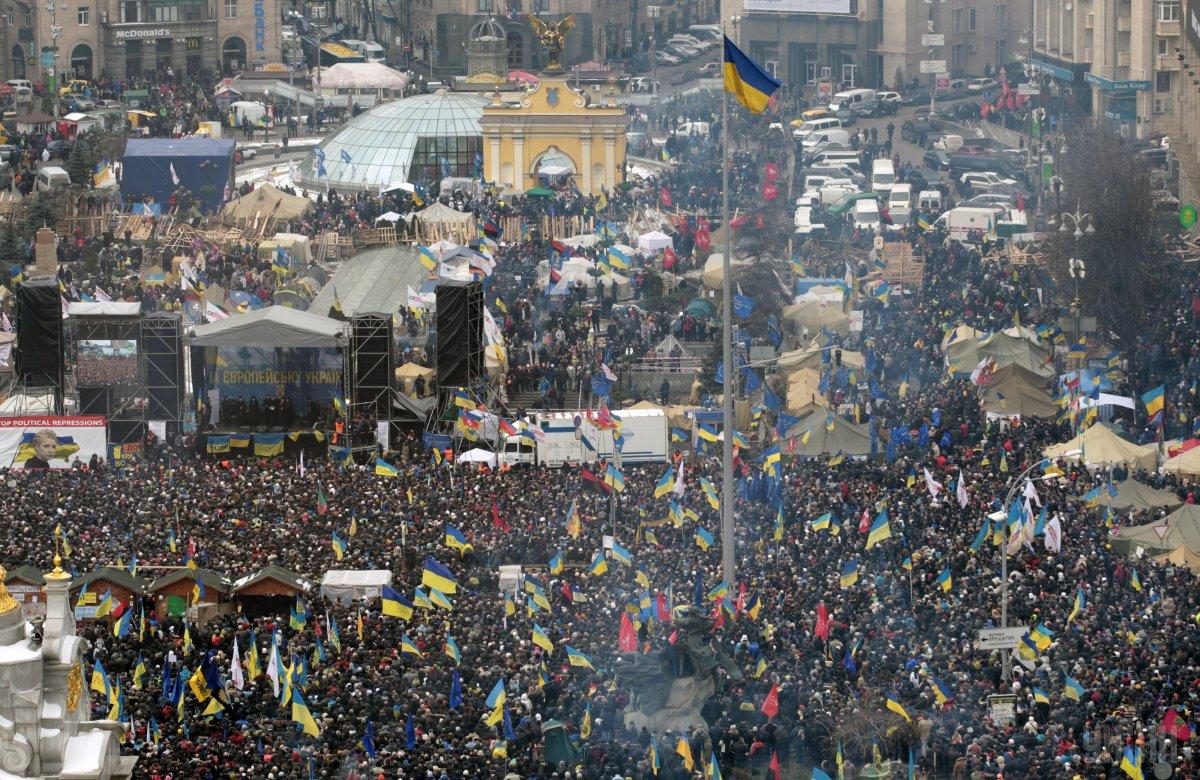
103,309
274,326
373,282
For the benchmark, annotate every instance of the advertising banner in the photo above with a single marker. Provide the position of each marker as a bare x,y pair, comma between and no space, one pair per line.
255,373
51,442
799,6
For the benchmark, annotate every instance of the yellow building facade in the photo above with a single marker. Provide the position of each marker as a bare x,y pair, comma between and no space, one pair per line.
554,126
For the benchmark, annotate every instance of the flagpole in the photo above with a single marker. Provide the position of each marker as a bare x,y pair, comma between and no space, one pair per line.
728,560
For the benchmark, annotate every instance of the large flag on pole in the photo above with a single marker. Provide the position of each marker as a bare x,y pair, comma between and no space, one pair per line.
746,80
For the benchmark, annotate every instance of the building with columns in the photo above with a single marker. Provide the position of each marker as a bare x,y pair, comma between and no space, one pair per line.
553,126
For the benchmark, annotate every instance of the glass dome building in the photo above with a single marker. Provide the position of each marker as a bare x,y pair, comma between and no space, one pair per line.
421,139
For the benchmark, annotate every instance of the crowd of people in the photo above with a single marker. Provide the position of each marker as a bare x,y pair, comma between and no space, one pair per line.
853,645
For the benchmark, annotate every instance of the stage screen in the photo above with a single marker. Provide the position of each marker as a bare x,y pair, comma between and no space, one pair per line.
302,374
110,362
51,442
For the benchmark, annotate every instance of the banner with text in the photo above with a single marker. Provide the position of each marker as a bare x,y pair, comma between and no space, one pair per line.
51,442
303,374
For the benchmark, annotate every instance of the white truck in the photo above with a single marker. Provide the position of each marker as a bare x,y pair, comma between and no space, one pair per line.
572,438
969,222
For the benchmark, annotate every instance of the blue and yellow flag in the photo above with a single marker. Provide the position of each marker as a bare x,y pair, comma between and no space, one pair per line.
621,555
556,563
945,580
710,493
457,540
396,604
893,704
339,546
666,484
577,658
746,80
407,645
1040,696
385,469
1072,690
435,575
881,529
849,574
704,539
450,648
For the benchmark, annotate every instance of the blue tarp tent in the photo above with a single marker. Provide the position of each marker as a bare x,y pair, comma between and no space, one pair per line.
156,167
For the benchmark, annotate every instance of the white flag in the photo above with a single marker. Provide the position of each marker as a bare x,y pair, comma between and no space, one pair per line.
1031,493
213,312
1054,535
273,664
961,491
235,668
174,176
679,481
932,484
302,464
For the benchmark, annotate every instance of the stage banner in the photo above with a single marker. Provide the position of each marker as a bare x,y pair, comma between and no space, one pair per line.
303,375
51,442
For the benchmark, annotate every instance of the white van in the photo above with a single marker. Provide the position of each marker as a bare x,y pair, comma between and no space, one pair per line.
883,176
22,90
930,201
900,204
688,129
837,157
51,177
811,126
518,451
852,98
710,32
866,215
825,139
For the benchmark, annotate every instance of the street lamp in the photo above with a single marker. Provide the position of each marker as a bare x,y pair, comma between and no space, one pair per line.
1078,224
736,20
999,516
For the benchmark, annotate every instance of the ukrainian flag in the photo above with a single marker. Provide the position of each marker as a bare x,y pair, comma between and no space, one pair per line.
556,563
16,274
945,580
451,649
746,80
385,469
719,592
440,599
893,704
1074,690
427,257
302,717
1041,637
409,646
621,555
1154,401
704,539
599,565
1131,762
771,459
678,435
396,604
941,692
614,478
457,540
707,433
823,523
849,574
710,493
1040,696
618,259
1078,606
339,546
541,640
498,695
576,658
435,575
666,484
881,529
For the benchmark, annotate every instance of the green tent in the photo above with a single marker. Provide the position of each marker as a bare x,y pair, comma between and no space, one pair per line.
700,307
540,192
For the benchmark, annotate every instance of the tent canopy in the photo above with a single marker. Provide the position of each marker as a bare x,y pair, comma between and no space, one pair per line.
441,214
846,437
268,201
1186,464
362,75
701,307
346,585
274,326
1015,391
1181,528
803,390
375,281
1101,446
1181,556
1132,494
478,455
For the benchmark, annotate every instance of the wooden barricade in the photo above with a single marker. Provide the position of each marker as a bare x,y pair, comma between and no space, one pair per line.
903,265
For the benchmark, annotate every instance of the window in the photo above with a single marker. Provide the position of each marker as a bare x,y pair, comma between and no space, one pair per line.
83,16
956,58
1162,81
28,17
1001,17
10,18
957,20
1162,47
166,13
131,12
230,9
970,20
485,6
1168,12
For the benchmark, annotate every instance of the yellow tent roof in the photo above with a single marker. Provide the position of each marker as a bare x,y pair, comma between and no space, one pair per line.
1185,465
1180,556
413,370
1100,446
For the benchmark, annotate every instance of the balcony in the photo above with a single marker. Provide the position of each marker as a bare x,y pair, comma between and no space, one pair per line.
1123,24
1167,29
1166,62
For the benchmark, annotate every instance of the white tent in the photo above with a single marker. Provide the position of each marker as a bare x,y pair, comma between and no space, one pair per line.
478,455
362,75
274,326
346,585
389,216
654,241
582,240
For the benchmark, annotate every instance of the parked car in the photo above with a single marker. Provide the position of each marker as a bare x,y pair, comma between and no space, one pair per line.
977,182
991,199
247,152
926,179
917,129
915,97
666,58
981,85
878,108
711,69
73,101
936,159
684,76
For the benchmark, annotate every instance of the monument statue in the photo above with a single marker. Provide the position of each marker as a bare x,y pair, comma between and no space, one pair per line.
553,35
672,684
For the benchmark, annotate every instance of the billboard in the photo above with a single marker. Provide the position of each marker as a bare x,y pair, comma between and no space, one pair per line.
798,6
108,362
302,374
51,442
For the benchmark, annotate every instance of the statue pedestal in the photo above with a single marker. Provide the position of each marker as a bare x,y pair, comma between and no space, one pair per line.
682,710
869,772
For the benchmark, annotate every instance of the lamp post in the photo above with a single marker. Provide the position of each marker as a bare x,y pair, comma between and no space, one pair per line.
736,21
1083,224
653,12
999,516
